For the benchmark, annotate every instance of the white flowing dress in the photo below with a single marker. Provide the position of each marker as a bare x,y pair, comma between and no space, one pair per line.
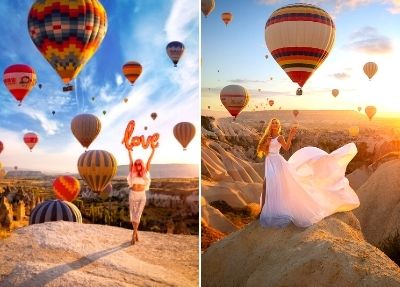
308,187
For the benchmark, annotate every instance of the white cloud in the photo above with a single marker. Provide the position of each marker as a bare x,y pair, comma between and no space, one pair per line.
118,79
183,12
49,126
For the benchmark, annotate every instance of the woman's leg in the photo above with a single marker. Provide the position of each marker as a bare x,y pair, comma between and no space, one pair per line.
133,233
135,230
263,194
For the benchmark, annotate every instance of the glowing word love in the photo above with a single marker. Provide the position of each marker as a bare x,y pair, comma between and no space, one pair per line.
151,140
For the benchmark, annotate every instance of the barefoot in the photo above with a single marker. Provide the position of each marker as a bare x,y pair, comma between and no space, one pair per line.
133,240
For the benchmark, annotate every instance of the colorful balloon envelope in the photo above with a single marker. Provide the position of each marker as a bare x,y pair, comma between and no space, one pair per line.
31,139
19,80
66,188
207,6
235,98
226,17
370,111
132,71
153,116
97,168
271,103
1,146
335,92
85,128
55,210
175,50
299,38
184,132
105,193
370,69
67,33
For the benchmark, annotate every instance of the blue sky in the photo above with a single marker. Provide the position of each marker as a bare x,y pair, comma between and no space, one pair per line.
366,30
138,30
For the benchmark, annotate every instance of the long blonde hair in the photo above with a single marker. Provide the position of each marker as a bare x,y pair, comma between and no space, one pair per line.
267,133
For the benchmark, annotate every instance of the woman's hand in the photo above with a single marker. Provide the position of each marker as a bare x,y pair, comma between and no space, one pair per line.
293,131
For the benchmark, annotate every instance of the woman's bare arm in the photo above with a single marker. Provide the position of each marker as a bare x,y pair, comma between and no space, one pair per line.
287,144
150,158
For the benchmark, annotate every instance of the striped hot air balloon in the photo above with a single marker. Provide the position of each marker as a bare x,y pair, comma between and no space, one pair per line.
85,128
175,51
132,71
55,210
104,194
19,80
31,139
97,168
226,17
184,132
207,6
370,69
66,188
67,33
235,98
299,38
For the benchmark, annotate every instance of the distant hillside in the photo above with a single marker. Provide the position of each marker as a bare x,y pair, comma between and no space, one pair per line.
166,170
24,174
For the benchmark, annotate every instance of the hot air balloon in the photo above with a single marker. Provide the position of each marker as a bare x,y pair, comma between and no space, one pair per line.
105,193
55,210
295,113
93,98
66,188
266,56
259,90
40,86
209,107
271,78
359,109
1,146
370,69
85,128
53,112
31,139
235,98
370,111
207,6
132,71
67,33
15,167
104,112
19,80
125,100
299,38
97,168
271,102
145,128
175,50
153,116
184,132
354,131
335,92
226,17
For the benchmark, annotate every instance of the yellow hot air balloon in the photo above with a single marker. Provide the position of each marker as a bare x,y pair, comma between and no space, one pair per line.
184,132
354,131
335,92
235,98
227,17
207,6
132,71
370,69
85,128
97,168
67,33
299,38
370,111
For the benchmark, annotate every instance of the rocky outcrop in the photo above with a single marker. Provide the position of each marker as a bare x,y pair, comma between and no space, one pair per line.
6,213
212,217
332,252
71,254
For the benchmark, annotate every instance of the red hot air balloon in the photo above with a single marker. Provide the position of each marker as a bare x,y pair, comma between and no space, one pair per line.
175,50
66,188
235,98
31,139
1,146
271,102
19,80
132,71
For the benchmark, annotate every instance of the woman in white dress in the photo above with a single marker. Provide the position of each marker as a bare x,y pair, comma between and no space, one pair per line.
309,186
138,181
